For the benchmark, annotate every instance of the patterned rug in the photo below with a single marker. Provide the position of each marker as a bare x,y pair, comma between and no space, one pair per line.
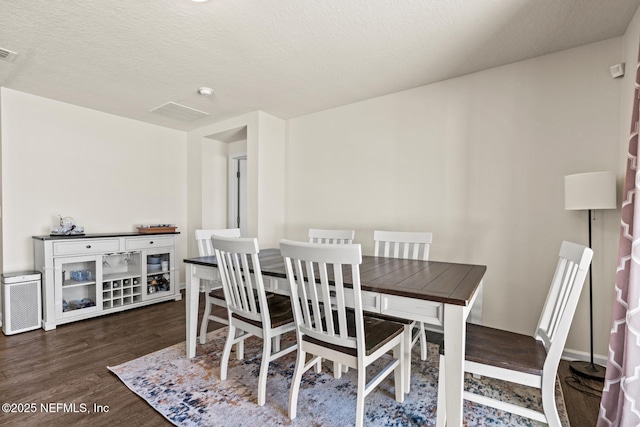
190,393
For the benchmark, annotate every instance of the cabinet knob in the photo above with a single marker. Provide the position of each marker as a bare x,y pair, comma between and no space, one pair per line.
151,242
88,246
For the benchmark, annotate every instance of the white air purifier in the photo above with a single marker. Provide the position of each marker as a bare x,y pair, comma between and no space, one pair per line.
21,302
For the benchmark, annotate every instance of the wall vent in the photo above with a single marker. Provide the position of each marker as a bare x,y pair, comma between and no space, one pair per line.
179,112
7,55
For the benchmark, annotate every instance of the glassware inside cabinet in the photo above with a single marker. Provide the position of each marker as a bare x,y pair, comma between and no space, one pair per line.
77,284
121,279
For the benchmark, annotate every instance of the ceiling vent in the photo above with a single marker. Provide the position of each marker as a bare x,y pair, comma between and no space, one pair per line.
7,55
179,112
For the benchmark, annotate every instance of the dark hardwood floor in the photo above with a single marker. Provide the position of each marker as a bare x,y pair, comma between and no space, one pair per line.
582,397
68,365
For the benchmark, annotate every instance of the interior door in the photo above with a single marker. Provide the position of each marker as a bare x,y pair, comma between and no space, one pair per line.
238,193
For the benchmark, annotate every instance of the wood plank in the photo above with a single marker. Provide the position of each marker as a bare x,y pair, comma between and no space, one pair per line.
470,285
504,349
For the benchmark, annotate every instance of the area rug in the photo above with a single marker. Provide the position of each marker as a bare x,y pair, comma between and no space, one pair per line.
189,392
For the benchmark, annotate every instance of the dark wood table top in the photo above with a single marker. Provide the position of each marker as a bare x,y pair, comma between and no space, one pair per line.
444,282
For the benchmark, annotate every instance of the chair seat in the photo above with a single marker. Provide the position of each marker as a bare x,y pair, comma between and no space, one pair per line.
217,293
377,332
280,312
504,349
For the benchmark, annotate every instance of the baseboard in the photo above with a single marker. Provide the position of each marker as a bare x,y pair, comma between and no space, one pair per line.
571,355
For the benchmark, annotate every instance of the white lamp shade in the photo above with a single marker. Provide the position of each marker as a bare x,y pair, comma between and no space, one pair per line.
594,190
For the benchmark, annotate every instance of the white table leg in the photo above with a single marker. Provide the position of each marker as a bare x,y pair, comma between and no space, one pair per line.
191,303
476,308
408,334
454,335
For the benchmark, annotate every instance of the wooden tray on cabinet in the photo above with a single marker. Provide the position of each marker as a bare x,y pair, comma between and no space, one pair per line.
156,229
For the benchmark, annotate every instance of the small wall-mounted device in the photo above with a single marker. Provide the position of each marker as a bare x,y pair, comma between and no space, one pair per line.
617,70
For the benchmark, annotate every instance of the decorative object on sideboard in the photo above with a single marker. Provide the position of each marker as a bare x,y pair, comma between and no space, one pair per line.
67,227
590,191
156,228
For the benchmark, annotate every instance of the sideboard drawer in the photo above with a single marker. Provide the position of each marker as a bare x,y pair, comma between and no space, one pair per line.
148,243
81,247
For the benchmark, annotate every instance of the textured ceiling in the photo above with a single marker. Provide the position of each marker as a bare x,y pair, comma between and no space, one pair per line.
285,57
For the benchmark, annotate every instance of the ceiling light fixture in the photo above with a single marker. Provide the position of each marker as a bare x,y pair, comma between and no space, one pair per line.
198,1
205,91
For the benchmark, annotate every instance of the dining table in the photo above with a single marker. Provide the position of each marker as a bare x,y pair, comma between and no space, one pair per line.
443,295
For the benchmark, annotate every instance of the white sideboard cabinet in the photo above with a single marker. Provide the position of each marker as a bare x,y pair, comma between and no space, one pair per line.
95,274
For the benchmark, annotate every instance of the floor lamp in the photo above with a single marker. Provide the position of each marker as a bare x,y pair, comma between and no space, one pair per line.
589,191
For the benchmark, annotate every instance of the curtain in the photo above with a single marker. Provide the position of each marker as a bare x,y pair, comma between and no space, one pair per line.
618,406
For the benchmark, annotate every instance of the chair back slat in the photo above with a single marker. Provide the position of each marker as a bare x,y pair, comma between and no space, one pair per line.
341,237
313,296
243,291
309,294
562,300
340,303
559,300
203,239
236,293
326,301
402,244
317,292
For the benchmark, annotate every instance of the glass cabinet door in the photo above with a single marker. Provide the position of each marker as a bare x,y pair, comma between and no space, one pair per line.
159,273
75,284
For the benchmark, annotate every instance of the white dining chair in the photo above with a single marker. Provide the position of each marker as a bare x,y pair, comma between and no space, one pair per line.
525,359
251,313
214,295
327,329
406,245
317,235
339,237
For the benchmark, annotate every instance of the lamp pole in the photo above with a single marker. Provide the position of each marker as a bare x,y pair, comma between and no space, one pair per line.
589,369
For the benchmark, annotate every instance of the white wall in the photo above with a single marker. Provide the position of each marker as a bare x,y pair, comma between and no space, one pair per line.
215,181
479,161
107,172
214,184
207,177
265,176
630,58
1,233
270,178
